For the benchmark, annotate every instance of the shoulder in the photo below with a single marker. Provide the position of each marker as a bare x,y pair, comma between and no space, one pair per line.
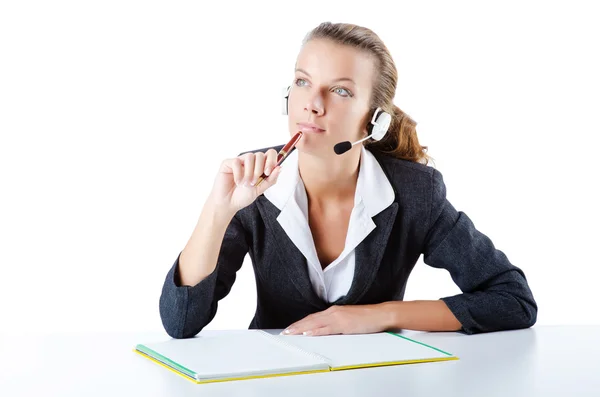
398,166
410,180
419,188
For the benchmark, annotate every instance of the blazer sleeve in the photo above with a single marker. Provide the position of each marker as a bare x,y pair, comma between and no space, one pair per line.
495,294
186,310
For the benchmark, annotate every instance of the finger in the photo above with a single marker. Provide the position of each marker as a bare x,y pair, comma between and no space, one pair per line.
248,168
238,170
259,167
308,323
268,181
322,331
271,161
326,318
226,166
300,323
294,329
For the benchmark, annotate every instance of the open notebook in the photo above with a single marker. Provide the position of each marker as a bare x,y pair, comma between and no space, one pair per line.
220,356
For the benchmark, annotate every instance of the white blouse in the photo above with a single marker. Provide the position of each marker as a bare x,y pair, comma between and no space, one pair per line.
374,193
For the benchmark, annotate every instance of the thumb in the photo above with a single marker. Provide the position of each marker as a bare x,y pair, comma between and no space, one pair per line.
269,181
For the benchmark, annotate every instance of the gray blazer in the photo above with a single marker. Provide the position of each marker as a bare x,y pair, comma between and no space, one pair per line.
495,294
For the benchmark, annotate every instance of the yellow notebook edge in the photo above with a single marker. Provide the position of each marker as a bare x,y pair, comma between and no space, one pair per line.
387,363
227,379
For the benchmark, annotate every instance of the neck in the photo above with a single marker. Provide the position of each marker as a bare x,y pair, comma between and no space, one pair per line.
330,180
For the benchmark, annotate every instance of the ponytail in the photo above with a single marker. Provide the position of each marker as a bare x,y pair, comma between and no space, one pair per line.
401,140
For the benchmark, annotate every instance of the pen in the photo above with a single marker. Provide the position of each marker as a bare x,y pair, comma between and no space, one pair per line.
283,153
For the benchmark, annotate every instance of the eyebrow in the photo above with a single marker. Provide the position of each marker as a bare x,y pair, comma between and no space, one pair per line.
336,80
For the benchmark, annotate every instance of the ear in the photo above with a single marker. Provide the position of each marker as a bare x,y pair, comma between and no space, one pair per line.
366,124
364,131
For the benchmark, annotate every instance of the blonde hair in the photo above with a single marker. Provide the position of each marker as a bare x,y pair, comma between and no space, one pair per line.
401,140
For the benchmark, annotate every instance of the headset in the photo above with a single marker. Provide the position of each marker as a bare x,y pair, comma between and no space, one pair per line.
377,128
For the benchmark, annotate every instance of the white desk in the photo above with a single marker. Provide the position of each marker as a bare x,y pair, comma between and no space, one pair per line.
541,361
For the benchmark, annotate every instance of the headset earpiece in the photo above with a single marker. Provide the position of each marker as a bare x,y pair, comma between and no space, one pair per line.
380,122
286,96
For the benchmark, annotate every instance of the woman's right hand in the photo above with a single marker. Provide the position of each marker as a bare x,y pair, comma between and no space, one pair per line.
232,189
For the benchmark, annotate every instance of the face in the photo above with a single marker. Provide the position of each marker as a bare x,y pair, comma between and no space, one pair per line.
331,90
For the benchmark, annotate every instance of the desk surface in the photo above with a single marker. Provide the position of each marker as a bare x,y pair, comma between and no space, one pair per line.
541,361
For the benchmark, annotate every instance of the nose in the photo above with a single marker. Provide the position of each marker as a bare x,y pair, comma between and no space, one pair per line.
314,105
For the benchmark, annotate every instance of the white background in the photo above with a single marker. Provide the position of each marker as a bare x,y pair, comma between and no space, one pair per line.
114,116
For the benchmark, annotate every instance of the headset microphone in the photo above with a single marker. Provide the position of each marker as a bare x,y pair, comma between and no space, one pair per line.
342,147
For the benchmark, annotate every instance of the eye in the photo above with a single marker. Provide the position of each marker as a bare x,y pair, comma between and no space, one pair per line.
342,92
299,82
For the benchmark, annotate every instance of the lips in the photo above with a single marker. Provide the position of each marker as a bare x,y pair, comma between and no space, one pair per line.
310,127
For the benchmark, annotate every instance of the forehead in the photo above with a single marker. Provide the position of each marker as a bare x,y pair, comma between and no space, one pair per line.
325,60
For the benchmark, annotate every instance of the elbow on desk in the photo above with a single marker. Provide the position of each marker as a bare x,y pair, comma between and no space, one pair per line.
519,308
172,323
527,316
493,311
520,314
178,334
176,328
183,319
185,311
508,306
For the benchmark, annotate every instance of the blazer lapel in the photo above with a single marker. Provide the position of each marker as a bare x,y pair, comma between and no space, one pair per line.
368,255
288,254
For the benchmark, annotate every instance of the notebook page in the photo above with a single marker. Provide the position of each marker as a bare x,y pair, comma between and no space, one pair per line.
233,354
365,349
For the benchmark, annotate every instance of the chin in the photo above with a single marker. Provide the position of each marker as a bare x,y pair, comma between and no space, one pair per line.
318,149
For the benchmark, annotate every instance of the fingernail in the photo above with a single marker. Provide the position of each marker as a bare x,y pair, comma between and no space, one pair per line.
268,172
307,333
287,331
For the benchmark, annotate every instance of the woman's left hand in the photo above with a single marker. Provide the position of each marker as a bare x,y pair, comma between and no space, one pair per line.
351,319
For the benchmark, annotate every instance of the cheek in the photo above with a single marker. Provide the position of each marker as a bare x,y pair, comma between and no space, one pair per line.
359,119
292,127
346,120
296,102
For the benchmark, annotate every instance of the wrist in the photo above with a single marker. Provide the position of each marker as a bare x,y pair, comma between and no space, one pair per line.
390,314
218,209
215,213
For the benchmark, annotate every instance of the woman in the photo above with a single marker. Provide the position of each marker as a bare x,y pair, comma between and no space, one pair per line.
333,238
